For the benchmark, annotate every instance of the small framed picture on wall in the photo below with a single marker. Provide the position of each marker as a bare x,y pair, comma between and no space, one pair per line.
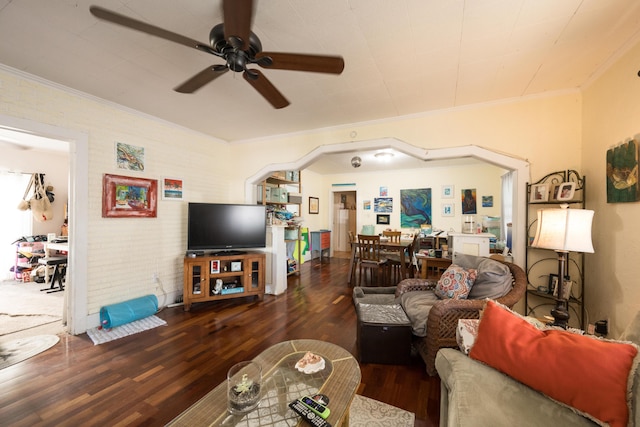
448,209
314,205
383,219
447,191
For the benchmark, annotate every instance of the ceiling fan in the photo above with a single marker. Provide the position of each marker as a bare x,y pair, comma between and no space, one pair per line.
234,42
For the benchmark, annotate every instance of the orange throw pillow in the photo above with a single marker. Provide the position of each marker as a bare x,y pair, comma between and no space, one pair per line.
585,373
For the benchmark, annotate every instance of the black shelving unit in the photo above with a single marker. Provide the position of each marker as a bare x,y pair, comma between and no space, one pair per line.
542,263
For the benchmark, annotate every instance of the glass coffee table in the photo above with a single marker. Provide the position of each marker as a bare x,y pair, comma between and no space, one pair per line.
282,383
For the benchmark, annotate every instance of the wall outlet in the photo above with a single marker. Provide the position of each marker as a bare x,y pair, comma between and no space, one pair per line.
602,327
154,277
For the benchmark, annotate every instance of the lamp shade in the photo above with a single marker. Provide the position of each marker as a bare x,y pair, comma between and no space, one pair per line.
564,230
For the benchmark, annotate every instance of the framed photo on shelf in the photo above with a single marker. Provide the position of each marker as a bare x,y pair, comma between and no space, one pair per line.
314,205
215,266
539,193
236,266
566,289
566,191
553,193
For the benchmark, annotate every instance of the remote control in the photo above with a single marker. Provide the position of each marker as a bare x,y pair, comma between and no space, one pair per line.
316,406
307,414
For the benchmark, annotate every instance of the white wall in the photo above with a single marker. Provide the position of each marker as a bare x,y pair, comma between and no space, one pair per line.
484,178
55,166
123,253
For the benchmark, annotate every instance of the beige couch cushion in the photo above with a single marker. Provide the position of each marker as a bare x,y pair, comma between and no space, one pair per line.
493,280
417,305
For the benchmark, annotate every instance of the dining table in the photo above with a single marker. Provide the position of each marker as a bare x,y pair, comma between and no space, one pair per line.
431,264
385,245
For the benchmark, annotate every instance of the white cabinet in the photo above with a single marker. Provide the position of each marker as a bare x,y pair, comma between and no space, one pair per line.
470,244
276,269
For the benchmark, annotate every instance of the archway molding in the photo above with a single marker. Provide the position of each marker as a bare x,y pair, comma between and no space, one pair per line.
518,166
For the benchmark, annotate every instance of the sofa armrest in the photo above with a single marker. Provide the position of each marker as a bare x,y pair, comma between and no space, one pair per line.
442,323
469,387
408,285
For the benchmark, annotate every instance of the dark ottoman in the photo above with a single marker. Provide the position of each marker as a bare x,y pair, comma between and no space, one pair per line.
384,334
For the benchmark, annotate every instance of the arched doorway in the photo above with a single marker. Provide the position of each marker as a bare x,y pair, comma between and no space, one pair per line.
519,167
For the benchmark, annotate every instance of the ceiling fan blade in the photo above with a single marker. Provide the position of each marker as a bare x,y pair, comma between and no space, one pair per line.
202,78
134,24
302,62
266,88
237,22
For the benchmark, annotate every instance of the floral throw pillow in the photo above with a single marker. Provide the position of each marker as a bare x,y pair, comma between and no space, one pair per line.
456,282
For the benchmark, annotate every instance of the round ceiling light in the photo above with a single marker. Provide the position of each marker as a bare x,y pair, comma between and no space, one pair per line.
384,155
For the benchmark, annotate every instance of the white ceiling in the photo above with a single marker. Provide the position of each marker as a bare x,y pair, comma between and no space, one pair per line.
402,57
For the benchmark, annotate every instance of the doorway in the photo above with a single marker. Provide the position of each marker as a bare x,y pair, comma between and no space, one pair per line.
518,167
76,304
344,222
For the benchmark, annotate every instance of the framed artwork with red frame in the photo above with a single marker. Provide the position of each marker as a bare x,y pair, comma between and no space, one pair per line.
129,197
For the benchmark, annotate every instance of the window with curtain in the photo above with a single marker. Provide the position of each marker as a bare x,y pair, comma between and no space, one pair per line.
15,223
506,216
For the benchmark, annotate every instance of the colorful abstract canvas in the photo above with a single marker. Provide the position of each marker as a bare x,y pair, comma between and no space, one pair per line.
383,204
415,207
622,173
469,205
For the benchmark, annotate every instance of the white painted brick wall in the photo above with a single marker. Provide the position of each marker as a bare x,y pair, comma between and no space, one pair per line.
123,253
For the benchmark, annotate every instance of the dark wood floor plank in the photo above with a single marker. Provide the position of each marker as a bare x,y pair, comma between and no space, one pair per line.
149,378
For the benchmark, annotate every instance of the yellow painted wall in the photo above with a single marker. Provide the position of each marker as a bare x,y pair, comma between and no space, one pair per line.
546,131
611,115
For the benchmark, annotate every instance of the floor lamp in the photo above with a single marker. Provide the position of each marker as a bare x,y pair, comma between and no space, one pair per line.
563,230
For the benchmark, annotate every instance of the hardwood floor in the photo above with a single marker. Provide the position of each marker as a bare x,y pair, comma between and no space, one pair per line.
149,378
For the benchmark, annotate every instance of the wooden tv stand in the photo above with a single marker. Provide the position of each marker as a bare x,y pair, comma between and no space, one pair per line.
219,276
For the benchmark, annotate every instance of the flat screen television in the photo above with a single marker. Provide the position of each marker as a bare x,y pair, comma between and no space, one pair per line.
226,227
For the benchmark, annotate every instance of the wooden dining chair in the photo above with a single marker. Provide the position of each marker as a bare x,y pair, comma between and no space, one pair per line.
413,267
398,267
370,260
393,236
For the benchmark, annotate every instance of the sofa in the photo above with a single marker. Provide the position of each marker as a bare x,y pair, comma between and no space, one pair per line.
475,394
435,318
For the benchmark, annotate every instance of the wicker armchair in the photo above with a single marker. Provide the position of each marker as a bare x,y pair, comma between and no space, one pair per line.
443,317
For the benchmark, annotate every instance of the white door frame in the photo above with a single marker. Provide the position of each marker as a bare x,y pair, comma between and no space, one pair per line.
78,207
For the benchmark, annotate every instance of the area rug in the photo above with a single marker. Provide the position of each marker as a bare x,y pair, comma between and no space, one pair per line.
24,306
101,336
14,351
366,412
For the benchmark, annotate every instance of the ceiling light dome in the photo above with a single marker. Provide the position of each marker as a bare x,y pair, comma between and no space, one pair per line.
384,155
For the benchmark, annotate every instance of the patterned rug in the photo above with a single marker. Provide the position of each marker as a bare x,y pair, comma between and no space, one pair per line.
14,351
101,336
366,412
